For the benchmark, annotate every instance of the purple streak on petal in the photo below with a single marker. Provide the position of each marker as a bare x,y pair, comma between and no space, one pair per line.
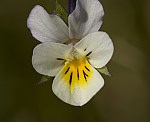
72,5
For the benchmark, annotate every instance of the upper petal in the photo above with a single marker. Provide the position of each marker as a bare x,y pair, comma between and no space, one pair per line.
49,57
76,85
98,48
45,27
85,19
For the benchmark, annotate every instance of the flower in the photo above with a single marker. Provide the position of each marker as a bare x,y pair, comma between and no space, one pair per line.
76,79
85,19
71,53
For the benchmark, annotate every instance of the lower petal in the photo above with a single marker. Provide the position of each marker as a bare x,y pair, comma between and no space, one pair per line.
76,85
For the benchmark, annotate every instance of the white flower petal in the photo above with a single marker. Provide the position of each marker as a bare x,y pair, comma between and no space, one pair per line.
98,47
85,19
49,57
45,27
76,85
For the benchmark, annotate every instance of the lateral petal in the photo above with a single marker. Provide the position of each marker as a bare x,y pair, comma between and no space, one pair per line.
49,57
97,47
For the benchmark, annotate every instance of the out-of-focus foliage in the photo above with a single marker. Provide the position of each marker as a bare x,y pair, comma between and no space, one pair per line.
104,70
125,96
61,12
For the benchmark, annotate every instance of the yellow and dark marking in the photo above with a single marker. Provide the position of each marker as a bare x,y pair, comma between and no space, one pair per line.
60,59
89,53
77,72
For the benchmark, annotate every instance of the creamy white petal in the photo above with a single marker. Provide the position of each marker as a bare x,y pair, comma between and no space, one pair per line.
49,57
76,89
98,48
45,27
85,19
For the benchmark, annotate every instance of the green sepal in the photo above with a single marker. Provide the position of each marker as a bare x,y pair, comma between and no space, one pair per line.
61,12
104,70
44,79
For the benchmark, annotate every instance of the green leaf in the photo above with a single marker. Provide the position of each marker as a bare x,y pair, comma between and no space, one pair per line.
44,79
104,71
61,12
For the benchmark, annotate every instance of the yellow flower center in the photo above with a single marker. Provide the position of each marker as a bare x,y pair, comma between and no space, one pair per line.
77,72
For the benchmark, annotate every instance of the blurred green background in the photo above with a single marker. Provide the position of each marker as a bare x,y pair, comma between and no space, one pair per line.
126,95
